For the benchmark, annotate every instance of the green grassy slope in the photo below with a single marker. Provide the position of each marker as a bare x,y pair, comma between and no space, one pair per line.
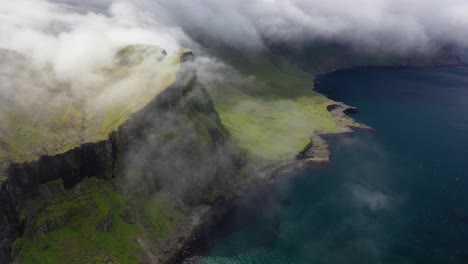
276,112
92,223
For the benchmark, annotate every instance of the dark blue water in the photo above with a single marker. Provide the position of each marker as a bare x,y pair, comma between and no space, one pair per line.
397,195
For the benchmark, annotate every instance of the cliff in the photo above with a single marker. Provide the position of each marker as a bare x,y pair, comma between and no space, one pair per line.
9,223
146,184
44,113
36,137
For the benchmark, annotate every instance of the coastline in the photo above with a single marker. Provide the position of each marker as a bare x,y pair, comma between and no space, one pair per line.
319,75
307,159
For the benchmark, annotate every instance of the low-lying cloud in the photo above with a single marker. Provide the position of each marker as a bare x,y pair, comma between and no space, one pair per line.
382,25
75,43
75,38
74,27
372,200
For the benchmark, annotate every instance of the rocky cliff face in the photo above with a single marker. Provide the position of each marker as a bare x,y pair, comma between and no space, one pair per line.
175,144
24,180
93,159
9,223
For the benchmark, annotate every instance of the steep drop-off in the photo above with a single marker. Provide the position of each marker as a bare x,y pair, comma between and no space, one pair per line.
45,113
134,197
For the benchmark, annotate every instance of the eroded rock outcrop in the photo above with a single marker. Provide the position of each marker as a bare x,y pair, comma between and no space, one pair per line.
9,222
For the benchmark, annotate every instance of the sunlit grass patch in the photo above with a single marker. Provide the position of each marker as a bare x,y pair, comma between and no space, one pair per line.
275,112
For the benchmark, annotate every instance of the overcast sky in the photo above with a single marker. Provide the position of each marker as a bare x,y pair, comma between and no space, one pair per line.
396,25
383,24
66,33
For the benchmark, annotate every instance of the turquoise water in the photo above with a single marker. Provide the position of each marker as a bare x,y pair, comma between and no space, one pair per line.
396,195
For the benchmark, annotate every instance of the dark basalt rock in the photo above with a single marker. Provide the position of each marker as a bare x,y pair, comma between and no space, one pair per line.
94,159
345,109
106,224
9,222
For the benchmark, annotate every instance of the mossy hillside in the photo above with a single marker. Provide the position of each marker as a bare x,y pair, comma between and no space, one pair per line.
159,214
93,223
59,118
276,112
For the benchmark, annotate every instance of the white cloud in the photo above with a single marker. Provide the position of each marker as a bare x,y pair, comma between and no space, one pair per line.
76,37
372,200
75,44
392,25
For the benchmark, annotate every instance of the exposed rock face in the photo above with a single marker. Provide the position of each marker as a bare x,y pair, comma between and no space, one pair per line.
177,143
94,159
9,223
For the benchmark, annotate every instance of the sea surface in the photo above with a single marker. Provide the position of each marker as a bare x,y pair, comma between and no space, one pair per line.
395,195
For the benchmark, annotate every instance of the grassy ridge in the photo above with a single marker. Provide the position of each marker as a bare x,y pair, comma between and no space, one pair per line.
62,119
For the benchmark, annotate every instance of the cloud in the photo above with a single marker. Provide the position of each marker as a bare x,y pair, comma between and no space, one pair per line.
386,25
76,43
60,52
77,37
66,33
372,200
